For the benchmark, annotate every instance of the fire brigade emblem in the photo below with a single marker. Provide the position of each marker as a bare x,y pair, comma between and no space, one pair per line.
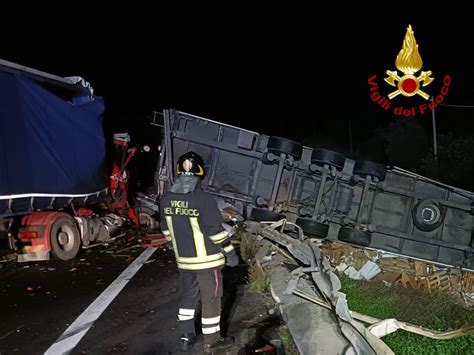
409,62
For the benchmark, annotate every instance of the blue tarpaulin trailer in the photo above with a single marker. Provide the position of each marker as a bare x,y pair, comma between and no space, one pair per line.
52,161
52,149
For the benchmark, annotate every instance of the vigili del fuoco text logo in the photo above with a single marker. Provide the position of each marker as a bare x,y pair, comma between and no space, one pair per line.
408,83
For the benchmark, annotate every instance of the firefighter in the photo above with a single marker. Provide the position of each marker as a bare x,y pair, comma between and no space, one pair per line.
192,222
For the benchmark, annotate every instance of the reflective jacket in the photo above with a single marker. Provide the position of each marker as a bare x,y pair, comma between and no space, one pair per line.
191,220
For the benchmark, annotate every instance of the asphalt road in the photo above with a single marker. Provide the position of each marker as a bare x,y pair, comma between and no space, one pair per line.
39,301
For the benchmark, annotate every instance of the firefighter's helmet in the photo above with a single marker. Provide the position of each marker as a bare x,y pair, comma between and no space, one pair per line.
190,164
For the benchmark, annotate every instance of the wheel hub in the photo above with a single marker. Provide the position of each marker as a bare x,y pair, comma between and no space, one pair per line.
429,215
63,238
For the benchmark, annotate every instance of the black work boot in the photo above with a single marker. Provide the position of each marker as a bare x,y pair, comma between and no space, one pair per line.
217,344
187,341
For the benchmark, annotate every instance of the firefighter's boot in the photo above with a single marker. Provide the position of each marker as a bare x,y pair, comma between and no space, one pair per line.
215,344
187,341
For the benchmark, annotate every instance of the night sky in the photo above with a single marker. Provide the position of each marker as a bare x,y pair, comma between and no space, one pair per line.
291,73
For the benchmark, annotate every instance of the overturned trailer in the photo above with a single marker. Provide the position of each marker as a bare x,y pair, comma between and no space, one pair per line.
329,196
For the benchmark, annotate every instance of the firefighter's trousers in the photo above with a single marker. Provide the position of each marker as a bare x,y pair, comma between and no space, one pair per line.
207,286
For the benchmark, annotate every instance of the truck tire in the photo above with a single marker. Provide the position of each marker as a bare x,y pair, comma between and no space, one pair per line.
313,228
354,236
369,168
264,214
321,156
428,215
280,145
65,238
148,222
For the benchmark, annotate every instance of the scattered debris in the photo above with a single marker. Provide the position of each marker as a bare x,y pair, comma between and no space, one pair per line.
367,272
128,248
319,270
266,349
341,267
421,269
230,214
153,240
381,328
394,270
407,281
438,281
8,257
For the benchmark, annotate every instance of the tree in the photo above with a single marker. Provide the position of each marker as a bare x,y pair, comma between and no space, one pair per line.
402,143
406,144
455,163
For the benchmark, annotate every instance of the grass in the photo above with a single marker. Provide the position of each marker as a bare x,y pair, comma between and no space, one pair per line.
407,343
240,230
287,341
249,246
258,280
436,311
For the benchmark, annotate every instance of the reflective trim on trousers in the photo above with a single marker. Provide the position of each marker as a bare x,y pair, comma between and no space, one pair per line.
213,320
186,312
211,330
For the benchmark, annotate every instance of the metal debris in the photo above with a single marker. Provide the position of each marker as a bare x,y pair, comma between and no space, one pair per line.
328,284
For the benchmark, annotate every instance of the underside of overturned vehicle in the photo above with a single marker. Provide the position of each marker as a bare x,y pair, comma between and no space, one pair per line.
364,203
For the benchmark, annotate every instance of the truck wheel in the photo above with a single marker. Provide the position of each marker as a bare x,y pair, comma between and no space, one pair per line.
65,238
354,236
264,214
280,145
323,156
313,228
369,168
147,222
427,215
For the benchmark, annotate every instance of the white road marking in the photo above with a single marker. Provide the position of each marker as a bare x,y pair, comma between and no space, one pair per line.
74,333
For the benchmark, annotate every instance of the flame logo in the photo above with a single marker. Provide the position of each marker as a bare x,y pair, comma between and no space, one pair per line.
409,62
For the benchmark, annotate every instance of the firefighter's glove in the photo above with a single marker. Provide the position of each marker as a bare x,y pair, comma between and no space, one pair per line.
232,259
